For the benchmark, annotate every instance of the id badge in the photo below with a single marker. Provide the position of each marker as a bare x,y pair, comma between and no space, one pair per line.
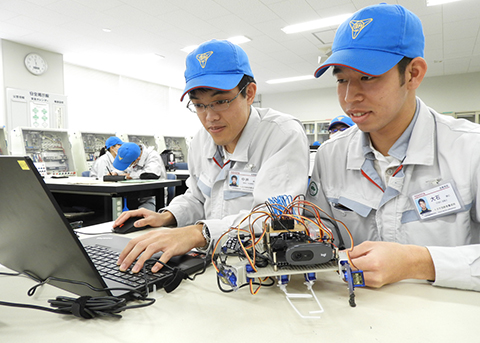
437,201
242,181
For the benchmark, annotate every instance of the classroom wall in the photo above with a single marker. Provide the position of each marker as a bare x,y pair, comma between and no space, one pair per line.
104,102
15,75
456,93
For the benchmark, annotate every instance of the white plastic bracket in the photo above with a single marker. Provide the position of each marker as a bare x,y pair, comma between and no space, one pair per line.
291,296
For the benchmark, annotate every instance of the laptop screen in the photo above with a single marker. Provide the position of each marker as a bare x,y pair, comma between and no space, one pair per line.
35,236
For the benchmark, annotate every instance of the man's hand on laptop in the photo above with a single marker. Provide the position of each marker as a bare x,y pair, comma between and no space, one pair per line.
171,242
154,219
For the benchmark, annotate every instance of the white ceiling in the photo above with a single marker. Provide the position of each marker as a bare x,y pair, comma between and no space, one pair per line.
142,28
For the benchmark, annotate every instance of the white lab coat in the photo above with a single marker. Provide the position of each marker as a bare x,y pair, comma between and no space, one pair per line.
150,162
273,145
103,165
439,149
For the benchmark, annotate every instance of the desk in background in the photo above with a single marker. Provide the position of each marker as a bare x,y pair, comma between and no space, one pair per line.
105,199
181,175
408,311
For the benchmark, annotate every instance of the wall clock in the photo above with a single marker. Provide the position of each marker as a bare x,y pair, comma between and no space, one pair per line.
35,64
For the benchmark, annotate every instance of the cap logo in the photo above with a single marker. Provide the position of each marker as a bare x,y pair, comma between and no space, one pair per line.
202,58
358,25
120,157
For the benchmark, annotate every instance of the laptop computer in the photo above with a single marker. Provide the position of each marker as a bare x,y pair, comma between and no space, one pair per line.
36,238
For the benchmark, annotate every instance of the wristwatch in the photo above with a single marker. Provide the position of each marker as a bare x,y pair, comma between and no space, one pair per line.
206,235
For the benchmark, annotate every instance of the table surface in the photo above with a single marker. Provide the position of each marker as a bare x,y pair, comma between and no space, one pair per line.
408,311
88,184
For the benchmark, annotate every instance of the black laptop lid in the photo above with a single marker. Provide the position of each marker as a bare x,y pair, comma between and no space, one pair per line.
35,237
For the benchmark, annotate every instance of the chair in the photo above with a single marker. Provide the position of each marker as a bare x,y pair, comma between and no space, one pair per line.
181,165
170,190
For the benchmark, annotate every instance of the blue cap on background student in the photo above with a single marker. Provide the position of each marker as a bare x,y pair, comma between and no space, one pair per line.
126,155
111,141
375,39
342,119
216,64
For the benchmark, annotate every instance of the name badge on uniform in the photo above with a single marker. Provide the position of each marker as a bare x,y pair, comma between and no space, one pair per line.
242,181
437,201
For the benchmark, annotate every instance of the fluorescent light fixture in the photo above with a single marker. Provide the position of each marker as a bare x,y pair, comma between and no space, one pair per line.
439,2
291,79
239,40
316,24
235,40
107,30
189,49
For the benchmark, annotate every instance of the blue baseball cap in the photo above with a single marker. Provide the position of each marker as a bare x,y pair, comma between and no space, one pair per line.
216,64
375,39
126,154
342,119
111,141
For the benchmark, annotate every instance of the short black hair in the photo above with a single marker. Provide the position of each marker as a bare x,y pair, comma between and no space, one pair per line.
246,79
402,66
421,200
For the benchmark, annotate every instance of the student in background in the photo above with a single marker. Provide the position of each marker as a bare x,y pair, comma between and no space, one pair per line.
103,165
140,162
371,176
265,146
339,124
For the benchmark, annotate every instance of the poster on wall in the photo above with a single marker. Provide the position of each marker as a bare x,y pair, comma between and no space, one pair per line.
39,115
26,108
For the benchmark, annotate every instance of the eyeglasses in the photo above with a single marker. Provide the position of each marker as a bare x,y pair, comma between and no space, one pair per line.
336,130
218,105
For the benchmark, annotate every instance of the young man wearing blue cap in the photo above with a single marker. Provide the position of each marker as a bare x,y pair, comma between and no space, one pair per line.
339,124
265,149
140,162
372,176
103,165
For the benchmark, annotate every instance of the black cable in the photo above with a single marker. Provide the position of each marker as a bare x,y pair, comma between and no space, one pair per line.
9,274
34,307
219,284
85,306
341,244
206,262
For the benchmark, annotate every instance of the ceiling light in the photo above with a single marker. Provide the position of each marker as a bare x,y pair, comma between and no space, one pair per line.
239,39
107,30
317,24
189,49
291,79
439,2
235,40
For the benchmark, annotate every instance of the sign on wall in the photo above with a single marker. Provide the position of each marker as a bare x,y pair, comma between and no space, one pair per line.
35,109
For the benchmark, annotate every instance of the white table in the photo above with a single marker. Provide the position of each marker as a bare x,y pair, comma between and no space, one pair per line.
409,311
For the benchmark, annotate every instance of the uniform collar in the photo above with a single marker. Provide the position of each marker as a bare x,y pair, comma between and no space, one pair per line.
415,146
241,150
422,145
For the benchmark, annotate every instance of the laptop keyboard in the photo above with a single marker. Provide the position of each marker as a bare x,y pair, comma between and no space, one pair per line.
105,260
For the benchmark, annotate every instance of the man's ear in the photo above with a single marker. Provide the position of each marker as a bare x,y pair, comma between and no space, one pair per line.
251,91
415,72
